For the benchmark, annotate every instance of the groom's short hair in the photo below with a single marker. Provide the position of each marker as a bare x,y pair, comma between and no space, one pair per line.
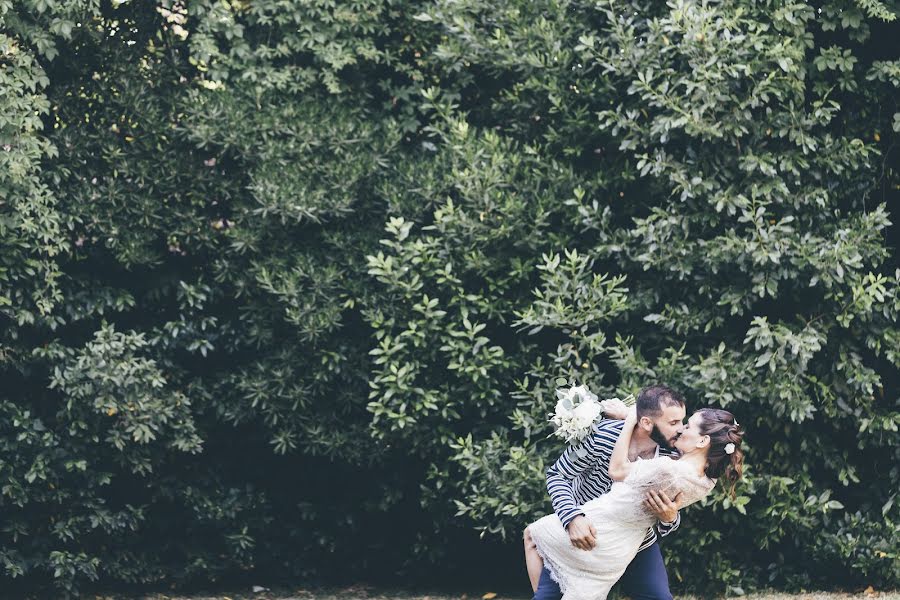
653,398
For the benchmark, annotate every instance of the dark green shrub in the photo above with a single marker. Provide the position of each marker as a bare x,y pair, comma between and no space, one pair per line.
276,276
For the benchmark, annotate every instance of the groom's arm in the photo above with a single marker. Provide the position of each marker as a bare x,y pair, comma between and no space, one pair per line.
665,529
665,509
575,461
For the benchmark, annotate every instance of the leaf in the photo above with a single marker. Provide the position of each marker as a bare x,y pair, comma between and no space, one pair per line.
763,359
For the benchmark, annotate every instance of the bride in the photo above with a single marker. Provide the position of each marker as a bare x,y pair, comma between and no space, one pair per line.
709,448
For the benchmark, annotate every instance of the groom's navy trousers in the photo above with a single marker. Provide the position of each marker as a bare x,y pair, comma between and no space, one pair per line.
644,579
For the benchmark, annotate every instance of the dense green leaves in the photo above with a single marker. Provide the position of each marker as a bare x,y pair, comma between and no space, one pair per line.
277,275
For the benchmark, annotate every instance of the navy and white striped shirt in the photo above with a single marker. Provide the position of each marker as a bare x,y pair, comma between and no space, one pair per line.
581,474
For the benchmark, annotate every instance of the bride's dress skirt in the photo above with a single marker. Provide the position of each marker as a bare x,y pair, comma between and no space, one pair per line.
621,523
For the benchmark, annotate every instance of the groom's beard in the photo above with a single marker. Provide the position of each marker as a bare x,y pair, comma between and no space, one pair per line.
657,436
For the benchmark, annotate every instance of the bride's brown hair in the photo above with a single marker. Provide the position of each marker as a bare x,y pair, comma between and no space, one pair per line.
722,429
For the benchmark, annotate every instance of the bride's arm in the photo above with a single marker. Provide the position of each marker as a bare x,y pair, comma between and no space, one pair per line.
619,465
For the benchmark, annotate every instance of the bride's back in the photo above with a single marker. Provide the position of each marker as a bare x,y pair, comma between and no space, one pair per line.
624,504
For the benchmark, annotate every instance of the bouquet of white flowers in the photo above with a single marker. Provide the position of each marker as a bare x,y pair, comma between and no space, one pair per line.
577,408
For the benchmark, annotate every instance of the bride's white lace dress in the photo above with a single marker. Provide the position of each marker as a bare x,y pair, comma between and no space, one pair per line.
621,523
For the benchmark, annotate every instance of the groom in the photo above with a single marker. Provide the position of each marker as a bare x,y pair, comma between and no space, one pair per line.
582,474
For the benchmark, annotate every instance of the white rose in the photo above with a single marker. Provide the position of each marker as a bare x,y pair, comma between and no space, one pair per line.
561,409
582,393
587,411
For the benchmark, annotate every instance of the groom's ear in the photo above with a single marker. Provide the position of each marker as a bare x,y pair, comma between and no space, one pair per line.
645,423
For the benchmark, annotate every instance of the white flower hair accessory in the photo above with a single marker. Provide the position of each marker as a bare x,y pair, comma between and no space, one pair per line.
729,448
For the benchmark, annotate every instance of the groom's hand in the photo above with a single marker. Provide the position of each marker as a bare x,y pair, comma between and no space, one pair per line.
582,533
665,509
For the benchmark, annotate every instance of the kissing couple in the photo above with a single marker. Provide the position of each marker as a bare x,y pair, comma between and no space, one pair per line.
620,489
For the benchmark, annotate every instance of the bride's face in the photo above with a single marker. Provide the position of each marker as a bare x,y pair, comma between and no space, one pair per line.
691,440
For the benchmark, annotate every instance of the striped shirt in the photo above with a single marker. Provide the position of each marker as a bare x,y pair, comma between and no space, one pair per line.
582,474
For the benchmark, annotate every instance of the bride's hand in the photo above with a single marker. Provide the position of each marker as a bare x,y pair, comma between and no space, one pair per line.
614,409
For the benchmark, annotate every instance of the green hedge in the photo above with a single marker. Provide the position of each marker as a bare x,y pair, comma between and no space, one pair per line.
285,285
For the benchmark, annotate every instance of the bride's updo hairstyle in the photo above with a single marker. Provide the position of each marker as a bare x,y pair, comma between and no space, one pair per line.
722,429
